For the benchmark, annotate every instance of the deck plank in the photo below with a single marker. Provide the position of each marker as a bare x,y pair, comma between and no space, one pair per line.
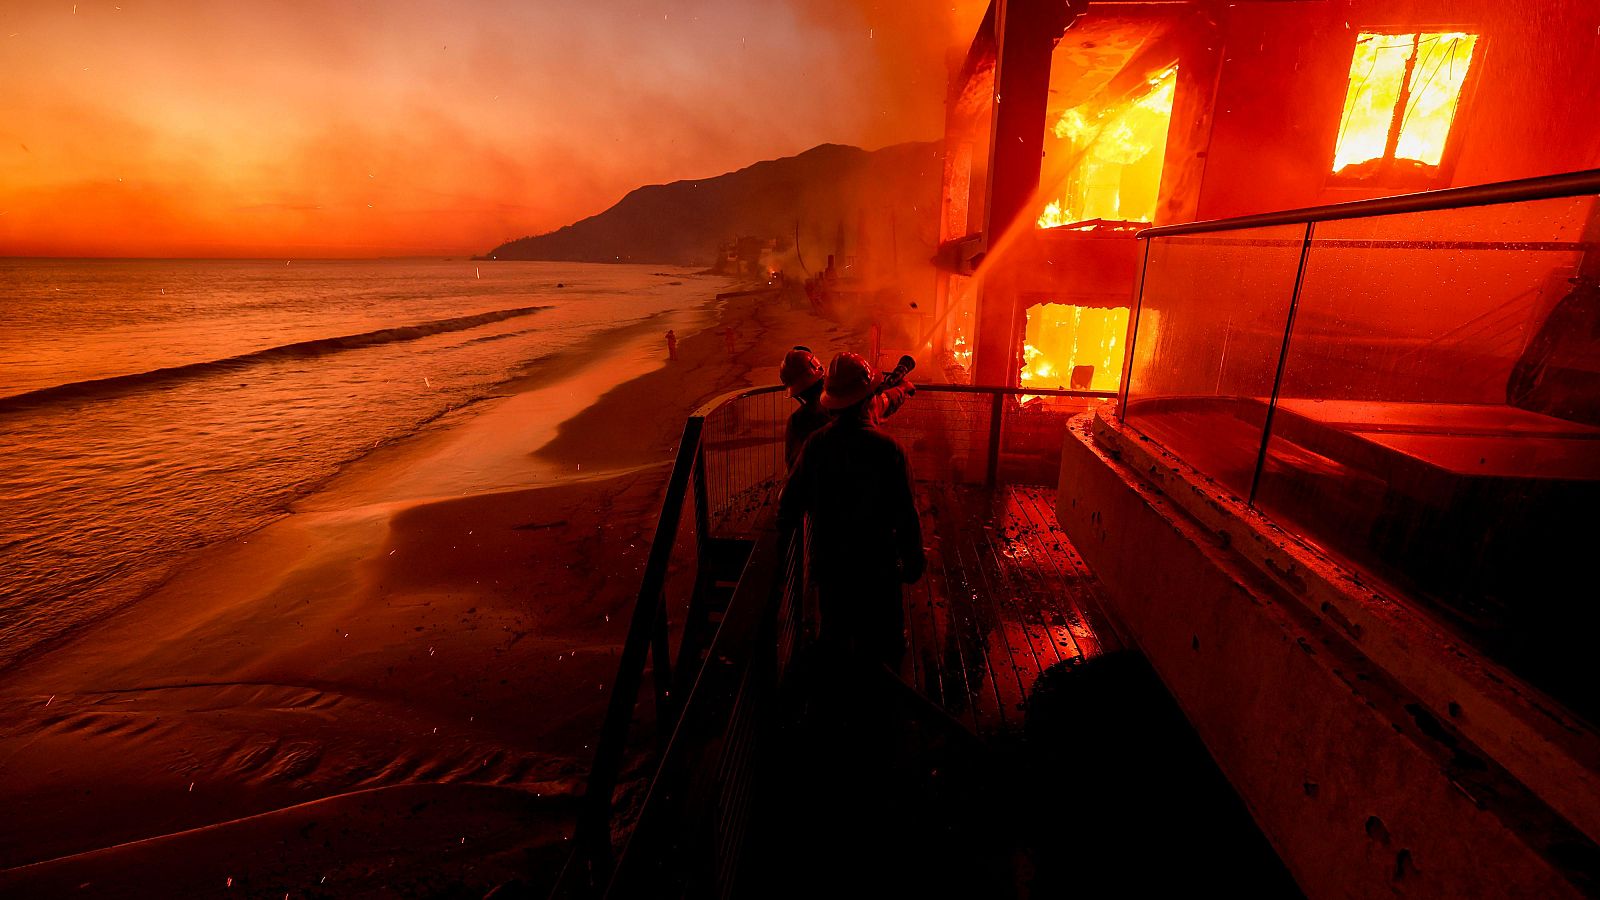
944,677
1005,598
991,631
1005,607
965,619
943,654
1065,605
1029,583
1081,590
1033,540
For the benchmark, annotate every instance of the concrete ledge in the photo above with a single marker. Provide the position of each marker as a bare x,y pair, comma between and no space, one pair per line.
1376,754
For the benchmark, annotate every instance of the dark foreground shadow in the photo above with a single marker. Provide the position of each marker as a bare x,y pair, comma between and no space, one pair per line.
1120,798
1107,792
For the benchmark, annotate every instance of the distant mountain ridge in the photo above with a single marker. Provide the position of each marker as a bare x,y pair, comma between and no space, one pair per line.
829,190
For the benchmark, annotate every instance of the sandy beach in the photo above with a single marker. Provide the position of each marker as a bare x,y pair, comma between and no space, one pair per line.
397,684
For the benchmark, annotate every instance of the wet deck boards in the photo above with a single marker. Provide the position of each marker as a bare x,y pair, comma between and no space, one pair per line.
1006,597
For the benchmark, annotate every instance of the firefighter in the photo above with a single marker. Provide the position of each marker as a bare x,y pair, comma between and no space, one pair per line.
801,373
854,482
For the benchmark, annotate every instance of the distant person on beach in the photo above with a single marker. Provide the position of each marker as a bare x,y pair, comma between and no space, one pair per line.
854,482
728,334
672,345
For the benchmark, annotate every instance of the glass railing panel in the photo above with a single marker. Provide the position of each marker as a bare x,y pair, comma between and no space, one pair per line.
1212,314
1437,420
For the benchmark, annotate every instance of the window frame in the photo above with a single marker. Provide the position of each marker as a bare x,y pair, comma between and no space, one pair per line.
1443,173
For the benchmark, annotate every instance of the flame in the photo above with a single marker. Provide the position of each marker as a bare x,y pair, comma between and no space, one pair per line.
956,346
1060,338
1074,126
1116,158
960,350
1054,216
1438,64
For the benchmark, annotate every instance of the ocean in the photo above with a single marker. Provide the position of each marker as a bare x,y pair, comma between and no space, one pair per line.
149,408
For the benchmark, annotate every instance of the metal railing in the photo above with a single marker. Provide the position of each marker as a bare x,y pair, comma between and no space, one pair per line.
1566,184
715,555
723,472
1403,382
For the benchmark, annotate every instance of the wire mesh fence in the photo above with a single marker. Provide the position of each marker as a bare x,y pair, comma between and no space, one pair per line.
742,459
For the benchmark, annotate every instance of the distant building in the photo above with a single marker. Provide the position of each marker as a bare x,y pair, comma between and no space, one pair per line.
746,255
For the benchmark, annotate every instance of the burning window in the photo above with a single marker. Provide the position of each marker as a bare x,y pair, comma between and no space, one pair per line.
1076,347
1403,94
1113,157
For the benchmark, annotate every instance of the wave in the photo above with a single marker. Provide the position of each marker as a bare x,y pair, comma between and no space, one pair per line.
116,384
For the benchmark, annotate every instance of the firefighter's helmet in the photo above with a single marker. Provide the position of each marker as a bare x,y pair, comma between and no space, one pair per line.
800,370
850,380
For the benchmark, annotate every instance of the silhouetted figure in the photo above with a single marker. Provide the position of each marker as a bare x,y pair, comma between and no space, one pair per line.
728,335
855,484
672,345
801,373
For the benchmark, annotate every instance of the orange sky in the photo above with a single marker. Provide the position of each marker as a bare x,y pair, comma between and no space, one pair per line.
360,128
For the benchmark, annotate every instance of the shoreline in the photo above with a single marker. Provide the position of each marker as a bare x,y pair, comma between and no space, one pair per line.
445,610
532,375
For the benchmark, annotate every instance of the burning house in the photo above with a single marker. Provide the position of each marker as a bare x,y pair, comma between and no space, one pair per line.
1330,508
1120,115
1272,334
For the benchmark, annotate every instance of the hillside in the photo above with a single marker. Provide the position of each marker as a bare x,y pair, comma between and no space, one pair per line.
834,192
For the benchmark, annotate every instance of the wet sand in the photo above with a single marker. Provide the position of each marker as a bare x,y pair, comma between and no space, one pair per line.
398,683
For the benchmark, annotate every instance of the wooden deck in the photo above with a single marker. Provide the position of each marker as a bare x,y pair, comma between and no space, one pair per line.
1006,597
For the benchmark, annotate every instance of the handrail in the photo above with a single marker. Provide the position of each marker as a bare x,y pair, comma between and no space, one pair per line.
711,405
731,650
593,831
933,387
1544,187
647,633
1008,391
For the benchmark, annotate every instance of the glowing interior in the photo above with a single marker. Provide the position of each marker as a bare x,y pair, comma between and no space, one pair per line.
1114,156
1404,89
1059,338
